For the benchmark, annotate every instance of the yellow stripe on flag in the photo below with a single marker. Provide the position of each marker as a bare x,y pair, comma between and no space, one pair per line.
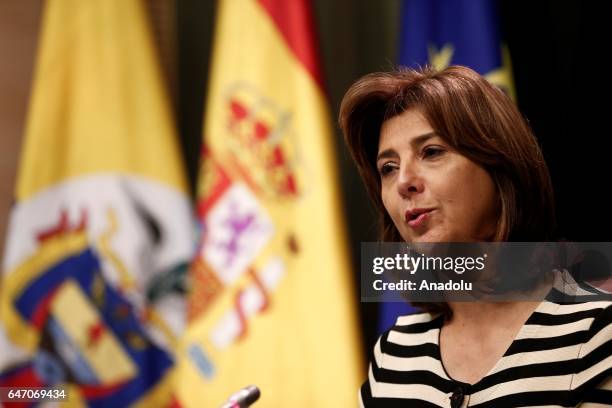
80,86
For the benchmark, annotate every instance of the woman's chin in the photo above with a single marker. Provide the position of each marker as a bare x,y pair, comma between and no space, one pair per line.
429,236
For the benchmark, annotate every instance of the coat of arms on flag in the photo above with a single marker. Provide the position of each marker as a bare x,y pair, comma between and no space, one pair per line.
101,230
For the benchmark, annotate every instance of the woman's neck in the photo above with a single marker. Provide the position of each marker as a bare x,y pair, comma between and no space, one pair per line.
489,314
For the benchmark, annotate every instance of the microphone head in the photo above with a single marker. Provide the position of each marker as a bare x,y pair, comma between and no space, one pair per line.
245,396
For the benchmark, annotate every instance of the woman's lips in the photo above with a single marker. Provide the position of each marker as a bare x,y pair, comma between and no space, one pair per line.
419,219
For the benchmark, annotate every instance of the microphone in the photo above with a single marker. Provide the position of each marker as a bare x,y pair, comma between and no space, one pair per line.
243,398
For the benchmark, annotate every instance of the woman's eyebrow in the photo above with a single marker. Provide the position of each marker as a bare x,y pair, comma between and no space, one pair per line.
415,143
386,154
419,140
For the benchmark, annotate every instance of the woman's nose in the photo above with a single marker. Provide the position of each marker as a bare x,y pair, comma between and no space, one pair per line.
410,180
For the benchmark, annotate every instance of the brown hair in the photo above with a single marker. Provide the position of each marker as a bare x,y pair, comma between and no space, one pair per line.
472,116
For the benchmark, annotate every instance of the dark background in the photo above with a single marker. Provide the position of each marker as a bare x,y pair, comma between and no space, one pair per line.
557,51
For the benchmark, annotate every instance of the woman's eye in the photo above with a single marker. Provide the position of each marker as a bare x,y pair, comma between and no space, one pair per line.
386,169
432,151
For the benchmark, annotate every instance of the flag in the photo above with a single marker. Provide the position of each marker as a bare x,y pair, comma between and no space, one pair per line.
272,300
441,33
456,32
101,228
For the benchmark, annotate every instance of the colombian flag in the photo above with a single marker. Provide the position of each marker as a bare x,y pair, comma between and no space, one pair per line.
101,218
272,303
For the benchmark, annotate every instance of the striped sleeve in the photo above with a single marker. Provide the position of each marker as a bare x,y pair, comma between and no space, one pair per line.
403,371
365,393
593,382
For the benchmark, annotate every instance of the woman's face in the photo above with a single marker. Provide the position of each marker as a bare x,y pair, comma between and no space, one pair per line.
431,192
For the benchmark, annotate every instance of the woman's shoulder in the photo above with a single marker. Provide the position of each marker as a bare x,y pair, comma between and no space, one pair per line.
419,327
594,363
405,363
577,309
416,321
412,336
586,317
600,314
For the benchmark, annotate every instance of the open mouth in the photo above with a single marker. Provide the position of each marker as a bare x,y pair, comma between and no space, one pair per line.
412,217
417,217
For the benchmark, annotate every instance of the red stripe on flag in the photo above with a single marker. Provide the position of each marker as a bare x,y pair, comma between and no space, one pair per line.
39,317
22,377
100,391
294,20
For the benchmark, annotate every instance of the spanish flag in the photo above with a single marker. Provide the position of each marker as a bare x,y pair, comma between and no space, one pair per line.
101,222
272,300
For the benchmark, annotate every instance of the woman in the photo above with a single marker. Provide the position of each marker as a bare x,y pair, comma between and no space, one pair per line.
447,157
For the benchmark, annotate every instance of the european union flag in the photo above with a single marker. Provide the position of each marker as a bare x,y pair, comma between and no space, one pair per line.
450,32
